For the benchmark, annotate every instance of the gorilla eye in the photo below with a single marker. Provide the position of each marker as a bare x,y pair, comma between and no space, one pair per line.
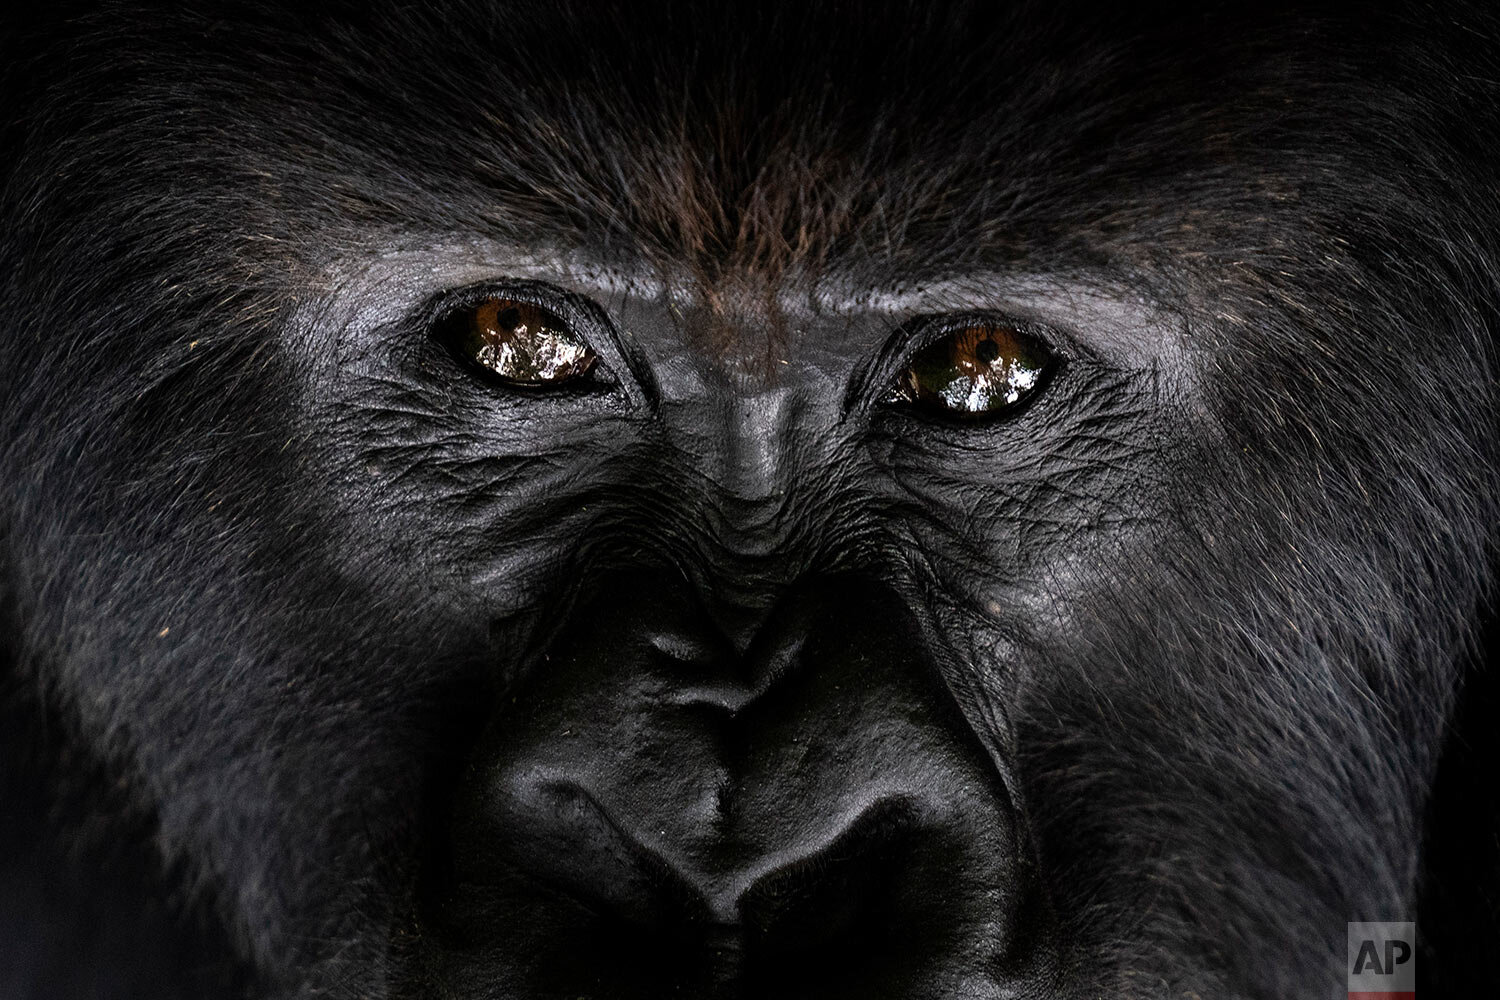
979,369
518,342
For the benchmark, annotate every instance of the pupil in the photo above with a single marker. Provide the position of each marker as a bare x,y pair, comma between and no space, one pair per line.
987,350
509,318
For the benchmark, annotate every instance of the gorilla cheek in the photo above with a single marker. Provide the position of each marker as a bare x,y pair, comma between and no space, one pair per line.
652,809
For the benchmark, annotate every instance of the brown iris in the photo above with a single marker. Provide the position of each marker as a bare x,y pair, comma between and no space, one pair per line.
519,342
977,369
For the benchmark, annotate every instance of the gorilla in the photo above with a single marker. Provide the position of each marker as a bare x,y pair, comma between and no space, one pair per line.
538,501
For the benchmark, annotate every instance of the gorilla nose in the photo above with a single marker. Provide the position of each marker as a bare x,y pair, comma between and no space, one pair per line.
652,810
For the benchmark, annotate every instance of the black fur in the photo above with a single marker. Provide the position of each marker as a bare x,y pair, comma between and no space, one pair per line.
1238,635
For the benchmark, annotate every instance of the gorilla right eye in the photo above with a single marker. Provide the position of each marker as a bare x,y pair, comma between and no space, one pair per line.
517,342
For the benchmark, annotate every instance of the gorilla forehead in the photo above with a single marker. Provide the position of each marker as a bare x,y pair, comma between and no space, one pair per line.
738,146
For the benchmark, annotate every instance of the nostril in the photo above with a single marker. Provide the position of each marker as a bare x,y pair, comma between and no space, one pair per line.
690,649
556,834
851,890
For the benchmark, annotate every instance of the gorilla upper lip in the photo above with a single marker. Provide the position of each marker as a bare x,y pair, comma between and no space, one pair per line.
569,867
562,834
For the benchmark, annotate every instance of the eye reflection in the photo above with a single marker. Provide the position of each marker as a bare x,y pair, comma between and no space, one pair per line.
979,369
519,342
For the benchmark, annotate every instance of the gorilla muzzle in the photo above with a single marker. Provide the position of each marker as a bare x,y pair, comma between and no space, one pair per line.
652,809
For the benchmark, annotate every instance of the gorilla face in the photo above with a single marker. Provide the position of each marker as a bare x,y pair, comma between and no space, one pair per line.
546,503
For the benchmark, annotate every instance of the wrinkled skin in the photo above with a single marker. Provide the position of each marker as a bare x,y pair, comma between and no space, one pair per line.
333,668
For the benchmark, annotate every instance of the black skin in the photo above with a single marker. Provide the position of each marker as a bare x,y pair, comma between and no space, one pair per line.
333,668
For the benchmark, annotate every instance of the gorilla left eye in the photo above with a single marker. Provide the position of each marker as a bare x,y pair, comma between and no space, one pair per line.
518,342
978,369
